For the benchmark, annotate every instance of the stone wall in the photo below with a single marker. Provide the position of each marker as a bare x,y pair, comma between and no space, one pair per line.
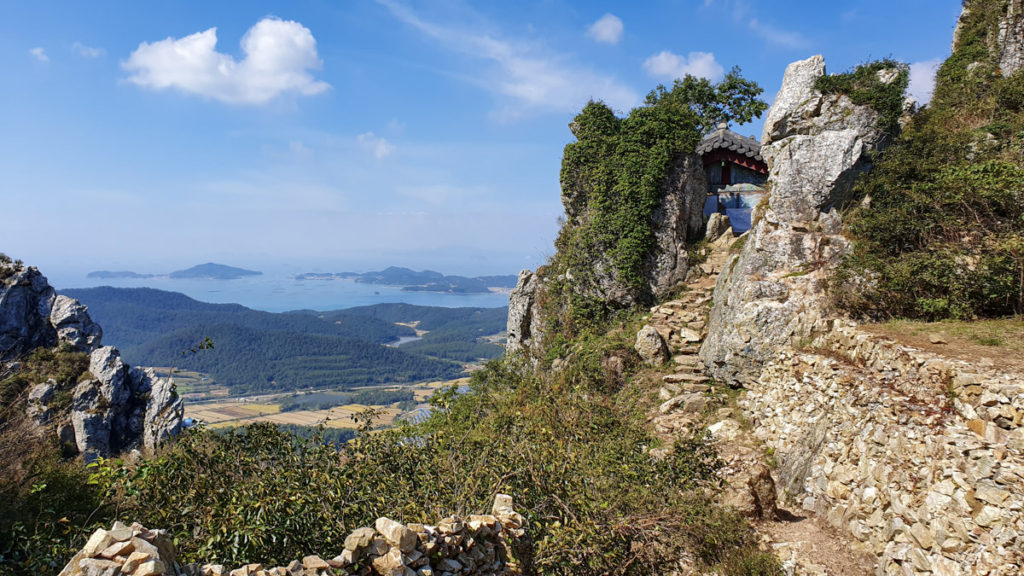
481,545
919,457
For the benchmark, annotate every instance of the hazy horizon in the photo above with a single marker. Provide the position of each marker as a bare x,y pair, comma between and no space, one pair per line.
360,135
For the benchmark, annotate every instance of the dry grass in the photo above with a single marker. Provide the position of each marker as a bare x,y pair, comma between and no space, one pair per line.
999,342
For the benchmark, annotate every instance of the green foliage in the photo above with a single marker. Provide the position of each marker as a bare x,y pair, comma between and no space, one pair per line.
614,177
327,400
573,453
863,86
47,510
733,100
940,233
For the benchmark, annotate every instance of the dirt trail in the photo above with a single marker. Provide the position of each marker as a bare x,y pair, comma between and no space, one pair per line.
689,399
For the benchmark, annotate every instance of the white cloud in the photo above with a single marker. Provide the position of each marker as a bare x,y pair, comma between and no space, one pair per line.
441,193
670,66
607,30
380,147
776,35
922,80
299,149
523,72
87,51
278,57
39,53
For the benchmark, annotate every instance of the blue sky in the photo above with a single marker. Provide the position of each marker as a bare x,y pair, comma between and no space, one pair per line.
357,134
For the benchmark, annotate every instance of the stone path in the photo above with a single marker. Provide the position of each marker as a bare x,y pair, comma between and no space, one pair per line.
805,544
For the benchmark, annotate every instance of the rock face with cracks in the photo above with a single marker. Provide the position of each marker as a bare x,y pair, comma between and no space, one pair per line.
118,407
773,292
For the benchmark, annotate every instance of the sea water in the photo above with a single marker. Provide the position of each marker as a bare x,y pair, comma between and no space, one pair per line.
278,292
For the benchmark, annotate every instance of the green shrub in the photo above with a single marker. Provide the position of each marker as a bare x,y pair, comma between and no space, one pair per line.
863,86
572,452
940,233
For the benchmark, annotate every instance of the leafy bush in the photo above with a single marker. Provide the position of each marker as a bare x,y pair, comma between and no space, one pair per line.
940,229
574,456
864,87
46,513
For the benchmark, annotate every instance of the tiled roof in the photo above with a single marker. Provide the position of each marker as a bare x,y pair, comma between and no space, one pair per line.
725,139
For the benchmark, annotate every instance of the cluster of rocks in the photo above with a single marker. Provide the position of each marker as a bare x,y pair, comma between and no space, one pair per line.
912,454
32,315
117,408
494,544
128,550
815,146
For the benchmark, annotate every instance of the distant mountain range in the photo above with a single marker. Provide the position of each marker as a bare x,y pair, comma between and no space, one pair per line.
209,271
421,281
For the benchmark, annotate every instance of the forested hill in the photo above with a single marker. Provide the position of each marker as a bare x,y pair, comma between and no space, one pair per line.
258,351
452,333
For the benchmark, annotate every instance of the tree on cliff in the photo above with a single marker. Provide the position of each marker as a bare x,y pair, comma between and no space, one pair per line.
620,179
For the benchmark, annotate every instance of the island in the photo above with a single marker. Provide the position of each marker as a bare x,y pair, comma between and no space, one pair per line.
421,280
113,274
212,271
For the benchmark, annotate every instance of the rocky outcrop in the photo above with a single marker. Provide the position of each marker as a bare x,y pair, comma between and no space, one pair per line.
25,303
773,292
679,218
71,321
1011,38
524,325
32,315
122,407
116,408
493,544
1006,40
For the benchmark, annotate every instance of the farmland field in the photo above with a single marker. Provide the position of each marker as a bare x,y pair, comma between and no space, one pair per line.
224,412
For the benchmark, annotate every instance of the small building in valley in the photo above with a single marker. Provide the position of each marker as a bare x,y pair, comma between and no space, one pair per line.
736,175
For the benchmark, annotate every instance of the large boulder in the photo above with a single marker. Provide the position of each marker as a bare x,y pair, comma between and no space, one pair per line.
111,375
651,346
73,325
773,292
164,411
91,421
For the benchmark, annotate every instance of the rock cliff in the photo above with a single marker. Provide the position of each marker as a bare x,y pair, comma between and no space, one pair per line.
773,292
678,218
114,407
33,316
